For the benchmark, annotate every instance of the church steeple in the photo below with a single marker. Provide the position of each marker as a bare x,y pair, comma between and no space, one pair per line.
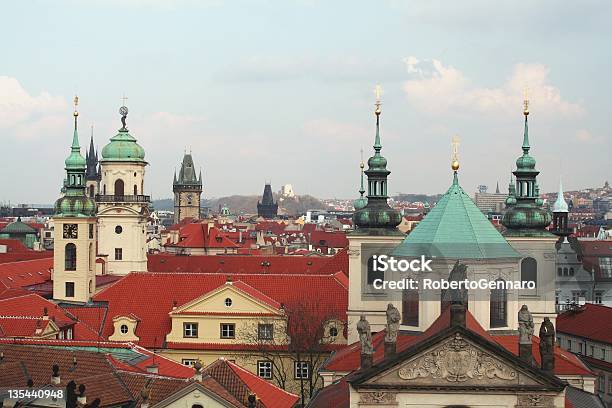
526,217
361,202
377,214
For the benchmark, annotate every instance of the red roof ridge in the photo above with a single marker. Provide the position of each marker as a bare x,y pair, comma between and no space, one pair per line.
341,278
25,260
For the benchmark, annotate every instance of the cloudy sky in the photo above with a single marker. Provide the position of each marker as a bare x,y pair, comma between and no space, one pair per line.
283,90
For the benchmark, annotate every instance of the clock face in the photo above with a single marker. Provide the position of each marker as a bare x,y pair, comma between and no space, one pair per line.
71,231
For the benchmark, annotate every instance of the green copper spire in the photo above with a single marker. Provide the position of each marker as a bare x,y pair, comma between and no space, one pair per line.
525,215
377,217
75,203
361,202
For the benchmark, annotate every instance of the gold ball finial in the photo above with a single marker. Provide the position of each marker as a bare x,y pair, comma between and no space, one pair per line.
526,101
361,165
76,103
455,165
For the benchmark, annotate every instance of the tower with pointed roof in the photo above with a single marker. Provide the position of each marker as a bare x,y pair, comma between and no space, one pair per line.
361,202
267,208
74,219
123,207
187,190
526,221
93,175
375,228
560,212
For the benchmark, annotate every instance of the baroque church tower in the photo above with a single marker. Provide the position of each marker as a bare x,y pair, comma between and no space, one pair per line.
375,228
525,223
123,208
74,256
187,190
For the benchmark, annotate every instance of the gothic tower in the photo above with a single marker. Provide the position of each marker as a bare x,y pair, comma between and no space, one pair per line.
187,190
123,208
92,173
375,228
74,255
267,208
526,222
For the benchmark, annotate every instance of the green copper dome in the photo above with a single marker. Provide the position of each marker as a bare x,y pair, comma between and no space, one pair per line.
75,206
123,147
360,203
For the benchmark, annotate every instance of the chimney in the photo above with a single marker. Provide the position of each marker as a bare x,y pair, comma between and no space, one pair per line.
153,369
457,315
198,371
82,399
55,377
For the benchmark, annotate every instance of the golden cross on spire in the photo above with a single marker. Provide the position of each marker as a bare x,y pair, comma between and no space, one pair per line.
378,92
526,101
76,103
455,144
123,99
361,165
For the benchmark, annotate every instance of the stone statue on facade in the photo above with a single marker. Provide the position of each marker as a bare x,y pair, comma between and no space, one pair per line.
525,321
365,336
456,296
393,323
547,345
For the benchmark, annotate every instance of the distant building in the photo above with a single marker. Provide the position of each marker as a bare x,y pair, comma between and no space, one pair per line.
287,191
187,190
267,208
490,202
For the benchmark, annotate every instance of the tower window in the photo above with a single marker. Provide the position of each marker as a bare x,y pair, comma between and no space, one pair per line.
119,191
91,231
372,275
118,229
91,191
529,270
498,306
69,289
118,254
135,189
70,257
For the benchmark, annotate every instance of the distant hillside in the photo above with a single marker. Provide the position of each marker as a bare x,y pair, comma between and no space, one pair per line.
239,204
424,198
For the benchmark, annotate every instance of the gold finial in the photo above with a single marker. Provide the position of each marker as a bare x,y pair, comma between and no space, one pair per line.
455,162
76,103
526,101
361,164
378,92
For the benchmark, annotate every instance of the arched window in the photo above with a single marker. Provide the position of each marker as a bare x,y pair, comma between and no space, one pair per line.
529,270
90,286
70,257
104,189
91,191
119,187
559,271
571,272
135,189
410,307
564,271
372,274
498,305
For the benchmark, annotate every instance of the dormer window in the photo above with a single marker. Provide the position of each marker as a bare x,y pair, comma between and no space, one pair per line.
228,302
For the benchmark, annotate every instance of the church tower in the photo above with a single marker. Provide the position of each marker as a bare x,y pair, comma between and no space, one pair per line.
92,173
560,215
74,255
187,190
267,208
526,222
375,228
123,208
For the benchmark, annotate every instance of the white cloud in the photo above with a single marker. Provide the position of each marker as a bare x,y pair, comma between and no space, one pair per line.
23,113
439,88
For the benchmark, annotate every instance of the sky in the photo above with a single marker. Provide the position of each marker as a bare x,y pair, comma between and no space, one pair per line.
283,91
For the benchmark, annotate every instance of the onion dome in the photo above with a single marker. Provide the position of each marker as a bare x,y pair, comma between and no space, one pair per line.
560,205
377,216
123,146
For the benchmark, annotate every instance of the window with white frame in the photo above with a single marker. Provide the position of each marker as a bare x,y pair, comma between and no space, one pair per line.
605,264
264,369
190,330
265,331
189,362
228,330
301,370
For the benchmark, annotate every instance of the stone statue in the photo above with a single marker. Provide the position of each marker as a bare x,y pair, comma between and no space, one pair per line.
525,321
393,323
365,336
547,344
456,296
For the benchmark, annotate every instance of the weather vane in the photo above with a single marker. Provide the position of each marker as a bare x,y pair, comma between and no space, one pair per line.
378,92
455,144
526,101
123,111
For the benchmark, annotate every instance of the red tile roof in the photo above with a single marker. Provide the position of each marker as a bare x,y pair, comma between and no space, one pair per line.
32,305
199,235
22,326
591,321
335,395
14,245
328,239
25,273
135,294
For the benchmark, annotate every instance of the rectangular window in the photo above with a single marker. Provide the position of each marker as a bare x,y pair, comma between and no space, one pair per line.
265,331
569,345
91,231
69,289
189,362
301,370
118,254
264,369
190,330
592,351
580,348
598,297
228,330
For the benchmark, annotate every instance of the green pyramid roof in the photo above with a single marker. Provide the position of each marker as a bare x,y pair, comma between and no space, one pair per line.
456,228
